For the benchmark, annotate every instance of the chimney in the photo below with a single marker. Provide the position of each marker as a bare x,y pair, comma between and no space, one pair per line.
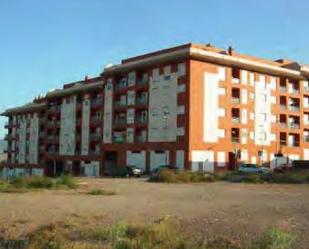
231,50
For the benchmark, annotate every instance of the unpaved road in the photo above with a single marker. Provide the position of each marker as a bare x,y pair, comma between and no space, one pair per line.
210,208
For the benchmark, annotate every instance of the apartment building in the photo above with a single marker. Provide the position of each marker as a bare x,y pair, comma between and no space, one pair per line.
197,107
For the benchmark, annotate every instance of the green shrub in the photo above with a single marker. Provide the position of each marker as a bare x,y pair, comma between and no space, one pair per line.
67,180
39,182
19,182
274,239
101,192
252,178
166,176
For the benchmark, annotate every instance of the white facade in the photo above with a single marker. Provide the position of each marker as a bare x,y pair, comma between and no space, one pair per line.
68,126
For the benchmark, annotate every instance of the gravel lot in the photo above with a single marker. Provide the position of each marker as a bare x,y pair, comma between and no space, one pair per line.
210,208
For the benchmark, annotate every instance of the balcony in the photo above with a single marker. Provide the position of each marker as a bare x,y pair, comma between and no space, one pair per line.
95,153
119,138
95,137
141,139
294,108
120,121
282,89
294,125
235,80
235,100
118,103
141,101
53,123
294,144
121,84
96,103
283,107
306,139
283,125
54,109
95,120
143,80
235,120
235,139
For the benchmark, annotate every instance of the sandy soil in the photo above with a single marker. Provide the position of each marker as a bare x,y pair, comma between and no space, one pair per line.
211,208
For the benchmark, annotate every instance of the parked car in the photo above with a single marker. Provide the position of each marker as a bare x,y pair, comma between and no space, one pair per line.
127,171
247,168
163,167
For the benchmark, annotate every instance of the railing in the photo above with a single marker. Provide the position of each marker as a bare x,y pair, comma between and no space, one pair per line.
95,153
294,91
306,139
54,109
283,125
141,100
283,107
141,139
97,103
143,81
235,100
294,108
235,140
294,125
95,136
282,89
141,120
306,88
235,120
119,140
235,80
118,103
294,144
120,121
121,84
282,142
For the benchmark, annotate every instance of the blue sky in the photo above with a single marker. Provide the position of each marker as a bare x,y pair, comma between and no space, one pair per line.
44,44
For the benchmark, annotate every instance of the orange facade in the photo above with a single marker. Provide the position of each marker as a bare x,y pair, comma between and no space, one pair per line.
194,106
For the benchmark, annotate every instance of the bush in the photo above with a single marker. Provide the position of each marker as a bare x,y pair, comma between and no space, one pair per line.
169,176
67,180
101,192
39,182
274,239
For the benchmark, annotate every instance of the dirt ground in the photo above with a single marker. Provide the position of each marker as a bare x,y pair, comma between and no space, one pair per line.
218,208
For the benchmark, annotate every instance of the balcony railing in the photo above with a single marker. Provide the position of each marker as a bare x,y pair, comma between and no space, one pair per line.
294,144
120,121
121,84
141,139
95,136
235,80
142,81
294,108
306,88
235,100
283,125
141,100
119,103
294,91
119,140
141,120
306,139
235,120
283,107
282,89
235,140
294,126
96,103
